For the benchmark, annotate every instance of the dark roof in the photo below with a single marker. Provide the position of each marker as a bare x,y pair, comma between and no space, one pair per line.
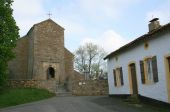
140,39
155,19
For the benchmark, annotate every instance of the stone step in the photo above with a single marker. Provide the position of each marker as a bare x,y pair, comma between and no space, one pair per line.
61,90
133,99
63,94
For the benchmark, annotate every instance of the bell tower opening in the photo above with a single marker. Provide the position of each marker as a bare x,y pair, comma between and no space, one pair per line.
50,73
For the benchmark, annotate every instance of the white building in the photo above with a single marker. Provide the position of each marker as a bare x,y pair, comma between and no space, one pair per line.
142,67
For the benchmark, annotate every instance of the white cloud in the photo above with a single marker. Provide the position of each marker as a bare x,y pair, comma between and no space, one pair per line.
72,27
161,12
27,13
27,8
109,40
105,8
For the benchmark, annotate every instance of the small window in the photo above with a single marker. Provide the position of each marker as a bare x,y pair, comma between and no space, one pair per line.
149,70
146,45
118,77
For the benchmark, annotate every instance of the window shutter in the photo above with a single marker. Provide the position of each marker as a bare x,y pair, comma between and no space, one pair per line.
142,72
121,76
155,69
114,75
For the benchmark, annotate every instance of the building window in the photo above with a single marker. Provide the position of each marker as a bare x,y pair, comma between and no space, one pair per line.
146,45
149,71
118,77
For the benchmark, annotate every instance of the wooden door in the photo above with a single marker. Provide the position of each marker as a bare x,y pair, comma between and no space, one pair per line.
168,76
133,79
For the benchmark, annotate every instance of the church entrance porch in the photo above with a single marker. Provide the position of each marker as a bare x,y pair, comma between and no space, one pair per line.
50,73
50,70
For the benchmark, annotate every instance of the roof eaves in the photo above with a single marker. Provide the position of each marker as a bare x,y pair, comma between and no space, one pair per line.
139,39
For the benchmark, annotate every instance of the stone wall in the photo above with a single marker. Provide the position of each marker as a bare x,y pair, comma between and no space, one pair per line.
90,88
78,76
69,70
68,58
18,66
49,85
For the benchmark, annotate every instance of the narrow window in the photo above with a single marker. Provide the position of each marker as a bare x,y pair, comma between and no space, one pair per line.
142,72
118,77
121,76
168,63
155,69
149,69
114,75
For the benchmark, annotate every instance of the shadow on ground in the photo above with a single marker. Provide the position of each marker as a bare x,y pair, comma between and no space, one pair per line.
121,105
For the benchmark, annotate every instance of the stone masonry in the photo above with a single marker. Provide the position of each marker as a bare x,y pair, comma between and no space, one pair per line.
90,87
41,55
49,85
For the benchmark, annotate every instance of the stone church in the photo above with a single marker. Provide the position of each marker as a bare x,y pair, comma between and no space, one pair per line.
41,55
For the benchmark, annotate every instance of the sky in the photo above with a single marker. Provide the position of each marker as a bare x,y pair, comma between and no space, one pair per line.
107,23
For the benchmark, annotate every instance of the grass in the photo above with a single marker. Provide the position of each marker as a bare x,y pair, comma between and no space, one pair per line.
12,97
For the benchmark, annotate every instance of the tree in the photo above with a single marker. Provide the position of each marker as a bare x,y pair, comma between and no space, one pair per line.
92,51
8,37
89,60
80,60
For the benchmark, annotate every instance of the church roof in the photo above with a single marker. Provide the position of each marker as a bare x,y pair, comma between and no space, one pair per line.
69,52
48,20
140,39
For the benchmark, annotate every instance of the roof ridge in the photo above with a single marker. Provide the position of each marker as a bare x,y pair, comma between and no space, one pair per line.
43,22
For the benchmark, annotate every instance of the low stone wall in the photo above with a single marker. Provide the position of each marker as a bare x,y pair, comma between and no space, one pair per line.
78,76
90,88
49,85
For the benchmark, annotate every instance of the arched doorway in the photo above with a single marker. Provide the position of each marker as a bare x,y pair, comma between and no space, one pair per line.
50,73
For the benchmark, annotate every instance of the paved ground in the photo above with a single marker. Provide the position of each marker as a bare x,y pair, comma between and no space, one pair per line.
81,104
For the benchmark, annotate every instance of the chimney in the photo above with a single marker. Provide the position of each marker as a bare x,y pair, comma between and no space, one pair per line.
154,24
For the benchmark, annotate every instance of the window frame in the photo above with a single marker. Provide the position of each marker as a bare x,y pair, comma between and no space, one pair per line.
149,81
118,77
154,75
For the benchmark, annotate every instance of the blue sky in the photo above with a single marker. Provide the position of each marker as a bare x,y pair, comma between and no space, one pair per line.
108,23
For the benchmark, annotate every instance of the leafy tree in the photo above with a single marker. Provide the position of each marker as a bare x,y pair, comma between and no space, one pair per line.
89,60
8,37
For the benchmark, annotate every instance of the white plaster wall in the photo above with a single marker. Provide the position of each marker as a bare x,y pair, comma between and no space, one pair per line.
157,47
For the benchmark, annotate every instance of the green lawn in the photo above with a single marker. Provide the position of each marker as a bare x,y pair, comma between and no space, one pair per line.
11,97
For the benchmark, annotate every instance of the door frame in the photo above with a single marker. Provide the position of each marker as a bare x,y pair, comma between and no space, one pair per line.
130,77
167,75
